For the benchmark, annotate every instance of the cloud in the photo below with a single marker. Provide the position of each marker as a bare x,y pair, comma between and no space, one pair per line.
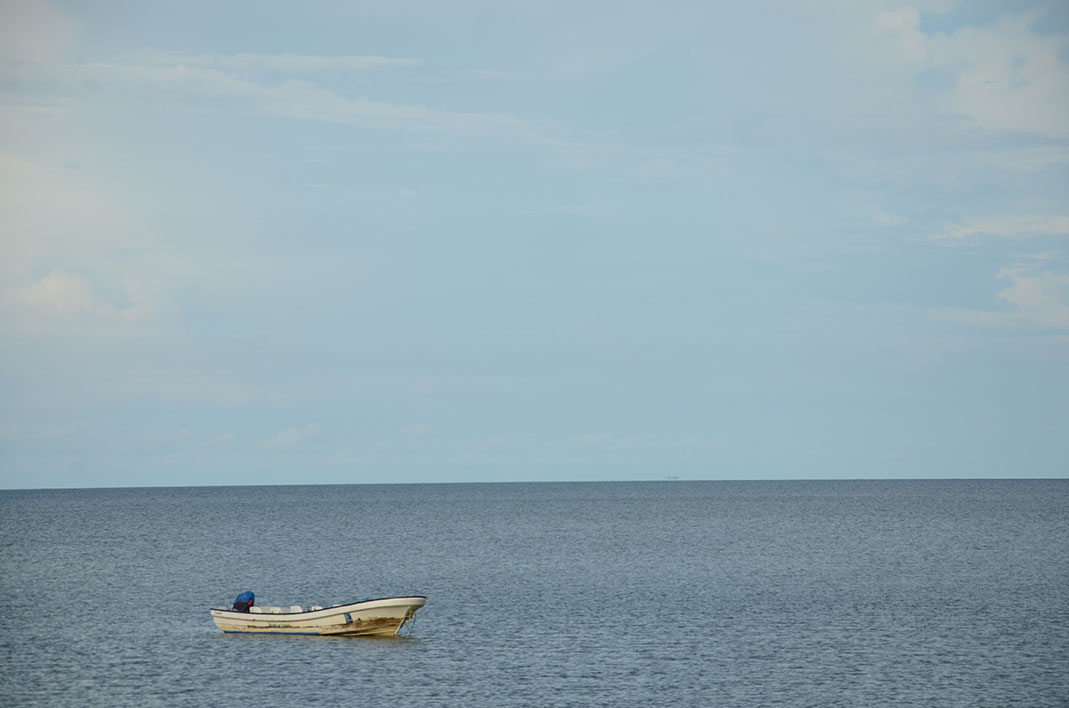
187,387
1012,78
31,30
221,440
504,441
286,63
50,213
1009,227
1003,77
102,266
1040,296
69,296
293,437
493,75
306,101
291,98
980,318
905,24
881,217
1024,159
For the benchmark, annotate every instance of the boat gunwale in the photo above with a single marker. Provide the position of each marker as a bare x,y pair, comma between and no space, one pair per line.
266,616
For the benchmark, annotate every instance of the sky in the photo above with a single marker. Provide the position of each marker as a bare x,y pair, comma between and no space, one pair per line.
353,242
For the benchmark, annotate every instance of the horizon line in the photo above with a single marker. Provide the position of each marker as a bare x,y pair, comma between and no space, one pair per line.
540,481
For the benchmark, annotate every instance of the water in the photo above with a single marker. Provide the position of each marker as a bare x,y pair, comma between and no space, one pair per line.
892,593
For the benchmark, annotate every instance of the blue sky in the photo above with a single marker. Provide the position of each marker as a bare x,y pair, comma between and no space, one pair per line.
268,243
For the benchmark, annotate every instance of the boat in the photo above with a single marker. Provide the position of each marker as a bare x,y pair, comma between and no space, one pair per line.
383,617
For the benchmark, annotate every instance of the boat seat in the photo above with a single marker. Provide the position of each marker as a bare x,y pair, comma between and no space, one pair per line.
256,609
313,608
296,608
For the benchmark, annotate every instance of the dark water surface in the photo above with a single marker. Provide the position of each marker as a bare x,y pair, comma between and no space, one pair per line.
884,593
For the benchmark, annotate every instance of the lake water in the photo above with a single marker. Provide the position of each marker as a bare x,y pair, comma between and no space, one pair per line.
852,593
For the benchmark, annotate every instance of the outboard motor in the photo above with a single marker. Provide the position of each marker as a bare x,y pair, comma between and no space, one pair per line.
244,602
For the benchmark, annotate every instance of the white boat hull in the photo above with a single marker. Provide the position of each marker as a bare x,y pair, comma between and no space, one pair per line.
383,617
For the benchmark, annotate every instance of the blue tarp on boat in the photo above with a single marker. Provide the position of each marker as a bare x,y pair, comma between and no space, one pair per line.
244,601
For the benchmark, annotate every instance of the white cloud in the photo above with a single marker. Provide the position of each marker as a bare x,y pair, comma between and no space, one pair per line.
1024,159
981,318
1040,296
1005,76
286,63
493,75
306,101
182,386
905,24
1008,226
101,267
293,437
49,212
501,441
221,440
1012,78
882,217
69,296
31,30
292,98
